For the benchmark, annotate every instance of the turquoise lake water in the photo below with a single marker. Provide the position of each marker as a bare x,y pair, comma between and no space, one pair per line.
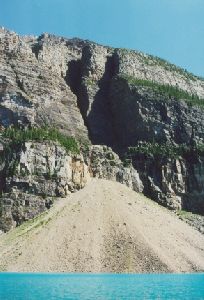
101,286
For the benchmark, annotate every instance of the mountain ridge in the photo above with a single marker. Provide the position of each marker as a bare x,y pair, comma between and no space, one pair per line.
75,38
100,96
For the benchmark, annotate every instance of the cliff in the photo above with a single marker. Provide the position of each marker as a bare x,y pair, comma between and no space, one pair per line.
35,174
145,109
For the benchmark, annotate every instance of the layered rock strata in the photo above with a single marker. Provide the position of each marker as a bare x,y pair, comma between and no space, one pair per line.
103,96
35,174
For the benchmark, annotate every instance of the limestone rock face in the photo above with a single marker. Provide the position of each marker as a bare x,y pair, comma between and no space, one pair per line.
175,183
104,163
97,71
33,176
76,86
92,92
140,114
33,84
143,66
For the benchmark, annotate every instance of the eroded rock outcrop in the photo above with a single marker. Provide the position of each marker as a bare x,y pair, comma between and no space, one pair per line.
142,114
33,84
110,97
104,163
173,182
36,173
69,82
33,176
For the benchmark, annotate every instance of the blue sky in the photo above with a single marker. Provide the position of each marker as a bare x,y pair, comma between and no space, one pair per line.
171,29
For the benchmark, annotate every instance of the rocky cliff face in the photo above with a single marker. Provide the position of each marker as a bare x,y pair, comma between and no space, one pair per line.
103,96
35,174
142,114
77,85
34,90
175,183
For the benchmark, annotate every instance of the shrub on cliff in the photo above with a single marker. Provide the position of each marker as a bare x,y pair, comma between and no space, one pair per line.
165,89
166,150
18,136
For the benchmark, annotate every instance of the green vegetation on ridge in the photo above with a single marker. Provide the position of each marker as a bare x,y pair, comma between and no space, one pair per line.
17,136
155,60
165,150
151,60
165,89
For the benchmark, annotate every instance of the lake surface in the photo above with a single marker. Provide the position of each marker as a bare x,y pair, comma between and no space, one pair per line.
101,286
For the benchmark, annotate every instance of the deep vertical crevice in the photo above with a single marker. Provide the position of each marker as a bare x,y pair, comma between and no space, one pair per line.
73,79
37,47
94,100
98,119
100,116
74,75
